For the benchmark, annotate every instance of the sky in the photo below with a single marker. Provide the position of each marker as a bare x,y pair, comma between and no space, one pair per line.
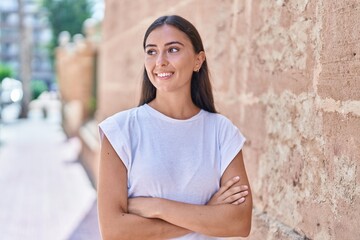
98,9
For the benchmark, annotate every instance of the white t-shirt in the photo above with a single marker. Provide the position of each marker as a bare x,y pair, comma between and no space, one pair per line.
180,160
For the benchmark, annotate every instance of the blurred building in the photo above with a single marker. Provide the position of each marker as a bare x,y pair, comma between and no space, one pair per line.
39,34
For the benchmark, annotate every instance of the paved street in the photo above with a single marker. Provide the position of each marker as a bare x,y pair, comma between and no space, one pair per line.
44,191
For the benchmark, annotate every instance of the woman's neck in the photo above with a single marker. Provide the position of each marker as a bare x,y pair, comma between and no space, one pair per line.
176,107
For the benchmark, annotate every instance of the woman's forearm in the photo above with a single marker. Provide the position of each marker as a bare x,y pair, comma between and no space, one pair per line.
130,226
224,220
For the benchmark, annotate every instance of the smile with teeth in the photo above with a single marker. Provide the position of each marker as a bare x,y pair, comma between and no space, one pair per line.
164,74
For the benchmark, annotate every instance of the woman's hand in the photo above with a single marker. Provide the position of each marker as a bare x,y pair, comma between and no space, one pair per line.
144,206
230,194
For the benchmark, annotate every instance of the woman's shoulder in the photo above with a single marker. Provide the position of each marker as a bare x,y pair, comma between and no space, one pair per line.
217,117
126,113
122,117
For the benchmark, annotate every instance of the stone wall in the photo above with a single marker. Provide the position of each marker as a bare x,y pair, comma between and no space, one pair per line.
75,63
287,73
76,76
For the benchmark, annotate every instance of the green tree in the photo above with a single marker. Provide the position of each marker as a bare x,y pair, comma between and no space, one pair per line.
5,72
66,15
37,87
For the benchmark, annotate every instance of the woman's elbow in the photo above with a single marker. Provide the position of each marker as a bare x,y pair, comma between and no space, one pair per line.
107,234
113,233
246,229
246,219
242,229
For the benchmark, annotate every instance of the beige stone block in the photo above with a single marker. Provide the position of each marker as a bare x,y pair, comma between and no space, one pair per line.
340,55
281,47
342,133
265,227
346,226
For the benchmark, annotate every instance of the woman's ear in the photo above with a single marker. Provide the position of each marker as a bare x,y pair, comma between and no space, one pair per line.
200,58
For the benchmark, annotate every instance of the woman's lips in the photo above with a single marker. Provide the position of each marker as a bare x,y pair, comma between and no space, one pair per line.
164,75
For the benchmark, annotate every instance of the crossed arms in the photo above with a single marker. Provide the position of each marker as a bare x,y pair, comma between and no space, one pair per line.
228,212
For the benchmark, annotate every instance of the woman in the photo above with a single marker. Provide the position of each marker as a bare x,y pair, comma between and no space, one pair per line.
173,167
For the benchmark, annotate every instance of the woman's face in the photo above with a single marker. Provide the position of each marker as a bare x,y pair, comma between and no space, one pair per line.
170,59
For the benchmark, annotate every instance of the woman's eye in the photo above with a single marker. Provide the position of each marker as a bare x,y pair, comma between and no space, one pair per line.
150,52
173,50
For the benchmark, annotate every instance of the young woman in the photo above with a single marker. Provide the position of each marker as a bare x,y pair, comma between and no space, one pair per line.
172,167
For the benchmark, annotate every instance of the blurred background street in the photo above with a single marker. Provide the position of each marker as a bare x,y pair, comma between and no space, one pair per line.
45,191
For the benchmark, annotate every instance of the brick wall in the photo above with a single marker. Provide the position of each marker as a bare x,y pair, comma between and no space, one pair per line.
287,73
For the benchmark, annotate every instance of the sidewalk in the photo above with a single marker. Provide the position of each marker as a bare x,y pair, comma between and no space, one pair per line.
45,193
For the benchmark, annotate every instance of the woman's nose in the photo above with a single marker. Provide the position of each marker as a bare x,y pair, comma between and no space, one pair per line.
161,60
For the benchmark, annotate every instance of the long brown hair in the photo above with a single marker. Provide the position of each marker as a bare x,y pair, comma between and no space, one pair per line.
201,90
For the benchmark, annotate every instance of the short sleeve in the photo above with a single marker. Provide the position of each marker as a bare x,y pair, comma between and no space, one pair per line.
231,141
117,138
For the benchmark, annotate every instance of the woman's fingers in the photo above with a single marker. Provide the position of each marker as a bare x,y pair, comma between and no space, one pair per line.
236,197
229,193
228,184
241,200
234,190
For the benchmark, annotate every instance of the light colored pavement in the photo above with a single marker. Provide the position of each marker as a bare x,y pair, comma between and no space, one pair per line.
45,193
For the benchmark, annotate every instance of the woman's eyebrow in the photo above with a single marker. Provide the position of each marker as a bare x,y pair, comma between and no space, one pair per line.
174,42
166,44
150,45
